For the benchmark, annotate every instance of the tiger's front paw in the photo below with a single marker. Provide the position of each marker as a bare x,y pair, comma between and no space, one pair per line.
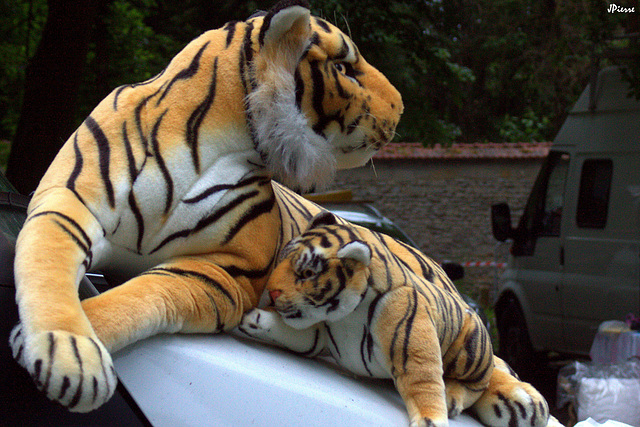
514,405
74,370
425,422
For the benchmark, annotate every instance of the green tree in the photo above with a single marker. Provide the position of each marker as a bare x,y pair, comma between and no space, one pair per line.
402,39
52,79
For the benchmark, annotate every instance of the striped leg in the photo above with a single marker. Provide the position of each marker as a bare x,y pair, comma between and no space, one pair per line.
414,356
55,341
189,294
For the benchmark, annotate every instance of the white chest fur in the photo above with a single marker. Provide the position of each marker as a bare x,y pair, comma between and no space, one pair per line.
353,345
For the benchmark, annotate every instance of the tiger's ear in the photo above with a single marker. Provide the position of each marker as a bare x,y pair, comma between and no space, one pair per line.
285,32
323,218
357,251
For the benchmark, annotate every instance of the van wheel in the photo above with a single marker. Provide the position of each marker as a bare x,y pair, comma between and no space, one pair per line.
515,345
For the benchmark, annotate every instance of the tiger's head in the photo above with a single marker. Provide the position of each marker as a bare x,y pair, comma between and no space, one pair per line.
322,274
316,104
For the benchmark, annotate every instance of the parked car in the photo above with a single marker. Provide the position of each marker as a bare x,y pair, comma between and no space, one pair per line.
575,254
194,380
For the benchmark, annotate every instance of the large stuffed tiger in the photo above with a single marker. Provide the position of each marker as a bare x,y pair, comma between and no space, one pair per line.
168,183
382,309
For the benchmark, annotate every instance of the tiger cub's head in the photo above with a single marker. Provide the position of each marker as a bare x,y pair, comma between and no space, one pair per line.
322,274
317,104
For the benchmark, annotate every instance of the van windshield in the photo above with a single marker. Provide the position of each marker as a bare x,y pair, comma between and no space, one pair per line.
543,213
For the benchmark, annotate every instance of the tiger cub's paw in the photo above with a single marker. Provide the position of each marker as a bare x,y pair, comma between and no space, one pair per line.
259,323
74,370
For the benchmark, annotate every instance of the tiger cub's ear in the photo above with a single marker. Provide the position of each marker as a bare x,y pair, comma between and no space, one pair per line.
323,218
357,251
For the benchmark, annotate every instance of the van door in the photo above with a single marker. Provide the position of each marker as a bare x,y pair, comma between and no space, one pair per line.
602,252
537,253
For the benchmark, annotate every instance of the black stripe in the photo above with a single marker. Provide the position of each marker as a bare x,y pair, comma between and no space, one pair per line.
196,275
214,308
134,85
135,210
513,416
246,57
314,347
185,73
344,49
104,371
52,351
133,173
76,352
248,81
161,164
332,339
266,23
318,91
207,220
104,156
342,93
131,160
77,168
85,249
408,329
230,28
245,182
138,114
65,386
322,24
87,241
95,390
365,348
235,271
396,333
198,115
249,215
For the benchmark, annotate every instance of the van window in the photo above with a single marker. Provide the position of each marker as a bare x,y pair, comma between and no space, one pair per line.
554,198
593,196
543,212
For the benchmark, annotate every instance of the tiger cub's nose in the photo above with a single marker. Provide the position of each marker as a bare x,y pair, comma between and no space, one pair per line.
275,294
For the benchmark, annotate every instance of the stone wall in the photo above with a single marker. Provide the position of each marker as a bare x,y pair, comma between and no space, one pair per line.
444,205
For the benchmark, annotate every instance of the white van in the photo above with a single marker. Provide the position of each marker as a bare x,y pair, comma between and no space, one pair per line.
575,253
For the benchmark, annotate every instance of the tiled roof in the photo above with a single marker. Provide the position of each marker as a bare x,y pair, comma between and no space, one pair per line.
415,150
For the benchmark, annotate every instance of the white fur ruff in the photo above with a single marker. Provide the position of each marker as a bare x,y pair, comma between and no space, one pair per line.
294,153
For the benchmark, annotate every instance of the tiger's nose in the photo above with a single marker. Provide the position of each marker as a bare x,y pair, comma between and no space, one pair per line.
275,294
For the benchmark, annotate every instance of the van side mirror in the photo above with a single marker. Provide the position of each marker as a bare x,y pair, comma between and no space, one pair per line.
453,270
501,222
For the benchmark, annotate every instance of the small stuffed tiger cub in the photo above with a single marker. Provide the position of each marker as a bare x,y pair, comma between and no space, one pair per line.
382,309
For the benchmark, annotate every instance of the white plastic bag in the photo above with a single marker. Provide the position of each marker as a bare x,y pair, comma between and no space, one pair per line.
590,422
602,392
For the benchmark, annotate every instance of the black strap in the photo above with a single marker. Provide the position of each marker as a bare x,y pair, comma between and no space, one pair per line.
14,200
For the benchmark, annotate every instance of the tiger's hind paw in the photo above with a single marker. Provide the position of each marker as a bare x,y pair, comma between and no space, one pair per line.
74,370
